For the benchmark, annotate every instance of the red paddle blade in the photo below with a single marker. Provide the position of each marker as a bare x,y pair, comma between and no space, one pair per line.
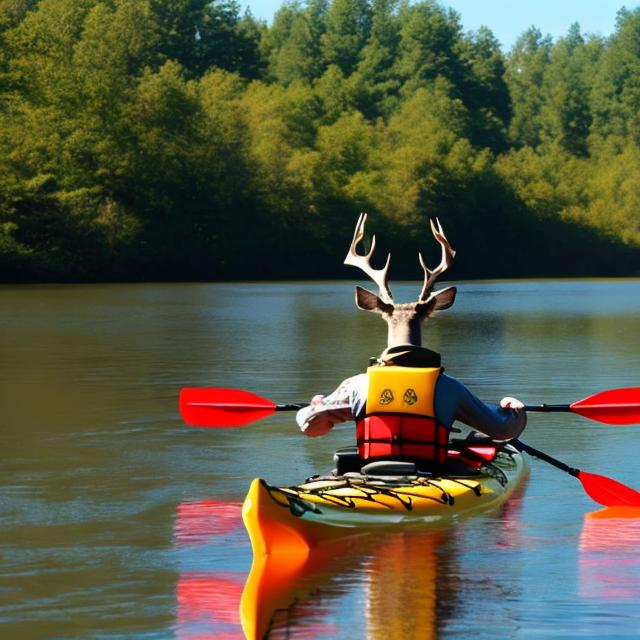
205,407
608,492
617,406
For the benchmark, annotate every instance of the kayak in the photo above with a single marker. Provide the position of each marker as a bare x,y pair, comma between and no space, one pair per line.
295,519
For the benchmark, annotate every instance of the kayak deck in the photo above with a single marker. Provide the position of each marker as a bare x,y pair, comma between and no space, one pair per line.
299,517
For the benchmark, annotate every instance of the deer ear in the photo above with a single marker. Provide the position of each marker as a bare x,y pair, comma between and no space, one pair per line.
368,301
444,298
437,302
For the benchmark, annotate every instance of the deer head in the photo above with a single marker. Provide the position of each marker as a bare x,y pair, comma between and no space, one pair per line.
403,320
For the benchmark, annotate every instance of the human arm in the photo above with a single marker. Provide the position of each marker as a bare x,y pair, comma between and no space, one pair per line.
455,402
325,411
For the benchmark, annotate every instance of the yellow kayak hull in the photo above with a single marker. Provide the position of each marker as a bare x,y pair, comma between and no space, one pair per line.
295,519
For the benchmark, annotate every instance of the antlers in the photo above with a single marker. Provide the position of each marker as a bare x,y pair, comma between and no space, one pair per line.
448,254
379,276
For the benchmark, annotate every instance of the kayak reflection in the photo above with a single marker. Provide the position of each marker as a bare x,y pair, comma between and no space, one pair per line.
609,560
291,596
403,576
385,574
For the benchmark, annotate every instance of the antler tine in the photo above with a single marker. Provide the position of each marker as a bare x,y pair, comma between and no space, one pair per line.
448,255
379,276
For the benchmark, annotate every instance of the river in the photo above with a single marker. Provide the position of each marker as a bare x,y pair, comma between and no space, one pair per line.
118,521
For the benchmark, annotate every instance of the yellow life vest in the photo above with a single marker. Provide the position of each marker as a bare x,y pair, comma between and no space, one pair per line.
401,390
399,420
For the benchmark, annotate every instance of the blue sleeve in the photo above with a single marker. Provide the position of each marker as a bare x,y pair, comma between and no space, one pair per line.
454,401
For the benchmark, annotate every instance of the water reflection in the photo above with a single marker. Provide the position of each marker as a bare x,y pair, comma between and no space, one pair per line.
402,577
609,560
205,520
399,580
383,576
207,606
207,598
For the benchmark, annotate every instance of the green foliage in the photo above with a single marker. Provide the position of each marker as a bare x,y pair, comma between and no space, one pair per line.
293,43
613,196
347,27
525,75
345,148
153,139
200,34
616,87
566,114
428,46
485,90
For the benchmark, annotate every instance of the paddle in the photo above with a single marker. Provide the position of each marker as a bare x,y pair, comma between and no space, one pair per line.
603,490
210,407
616,406
207,407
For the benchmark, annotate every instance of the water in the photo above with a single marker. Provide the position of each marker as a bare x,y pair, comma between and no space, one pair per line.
117,521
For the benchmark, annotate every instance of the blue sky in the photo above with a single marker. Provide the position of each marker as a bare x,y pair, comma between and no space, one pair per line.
509,18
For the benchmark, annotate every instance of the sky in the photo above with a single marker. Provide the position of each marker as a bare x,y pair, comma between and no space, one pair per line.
507,19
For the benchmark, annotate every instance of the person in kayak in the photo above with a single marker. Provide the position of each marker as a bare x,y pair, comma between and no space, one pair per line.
405,405
453,401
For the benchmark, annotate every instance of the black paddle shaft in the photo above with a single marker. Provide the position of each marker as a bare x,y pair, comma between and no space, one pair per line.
518,444
548,407
290,407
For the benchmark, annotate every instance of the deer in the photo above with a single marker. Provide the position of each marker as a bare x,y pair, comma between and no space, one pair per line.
404,321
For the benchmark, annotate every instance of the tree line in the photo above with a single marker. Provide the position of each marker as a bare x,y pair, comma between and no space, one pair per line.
182,139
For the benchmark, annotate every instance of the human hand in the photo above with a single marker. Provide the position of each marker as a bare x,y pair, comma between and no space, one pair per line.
316,400
511,403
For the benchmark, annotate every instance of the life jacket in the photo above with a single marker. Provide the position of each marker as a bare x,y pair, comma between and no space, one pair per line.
399,418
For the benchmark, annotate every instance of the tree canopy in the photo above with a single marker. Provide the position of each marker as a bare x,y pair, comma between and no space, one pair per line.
181,139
